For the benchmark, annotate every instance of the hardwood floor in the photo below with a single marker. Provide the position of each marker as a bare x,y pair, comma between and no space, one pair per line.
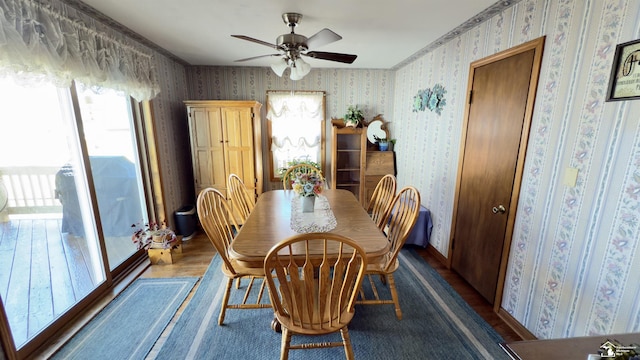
471,296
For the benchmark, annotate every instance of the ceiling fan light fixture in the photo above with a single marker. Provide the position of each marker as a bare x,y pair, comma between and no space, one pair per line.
299,69
304,66
279,67
296,73
291,46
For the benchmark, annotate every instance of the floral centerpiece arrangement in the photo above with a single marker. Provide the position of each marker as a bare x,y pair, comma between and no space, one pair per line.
307,184
353,116
153,235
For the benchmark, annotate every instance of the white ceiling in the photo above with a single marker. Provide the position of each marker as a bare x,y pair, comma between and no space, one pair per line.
382,33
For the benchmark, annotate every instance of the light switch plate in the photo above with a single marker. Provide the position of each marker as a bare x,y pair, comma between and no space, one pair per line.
570,177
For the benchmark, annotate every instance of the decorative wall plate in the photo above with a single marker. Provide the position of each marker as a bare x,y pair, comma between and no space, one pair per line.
376,128
432,99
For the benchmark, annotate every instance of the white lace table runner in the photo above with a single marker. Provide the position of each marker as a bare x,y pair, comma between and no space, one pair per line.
320,220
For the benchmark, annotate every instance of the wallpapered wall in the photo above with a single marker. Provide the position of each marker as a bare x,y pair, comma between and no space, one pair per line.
172,137
575,260
371,90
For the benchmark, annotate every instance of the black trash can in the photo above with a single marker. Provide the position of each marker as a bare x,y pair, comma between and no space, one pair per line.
186,222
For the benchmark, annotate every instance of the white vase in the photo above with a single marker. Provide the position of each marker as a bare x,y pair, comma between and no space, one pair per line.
352,124
308,202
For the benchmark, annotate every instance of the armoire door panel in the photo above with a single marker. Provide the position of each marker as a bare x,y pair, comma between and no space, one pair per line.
200,128
217,148
239,145
202,160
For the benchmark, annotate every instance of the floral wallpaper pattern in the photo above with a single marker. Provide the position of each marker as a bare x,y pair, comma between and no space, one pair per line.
590,121
558,260
573,267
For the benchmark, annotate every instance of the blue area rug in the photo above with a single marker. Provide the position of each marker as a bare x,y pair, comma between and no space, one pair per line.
436,324
130,325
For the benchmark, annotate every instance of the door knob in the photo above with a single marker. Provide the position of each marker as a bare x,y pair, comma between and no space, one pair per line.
499,209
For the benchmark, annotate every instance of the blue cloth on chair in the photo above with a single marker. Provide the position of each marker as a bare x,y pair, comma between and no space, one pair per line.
421,231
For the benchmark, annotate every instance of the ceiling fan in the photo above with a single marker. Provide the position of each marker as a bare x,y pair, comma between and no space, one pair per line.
293,46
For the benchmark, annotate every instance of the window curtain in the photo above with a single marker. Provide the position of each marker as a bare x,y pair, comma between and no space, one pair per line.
48,41
296,129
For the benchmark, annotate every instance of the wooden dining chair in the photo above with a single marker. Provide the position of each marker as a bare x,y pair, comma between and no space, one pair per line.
220,226
399,222
289,175
241,199
382,199
318,276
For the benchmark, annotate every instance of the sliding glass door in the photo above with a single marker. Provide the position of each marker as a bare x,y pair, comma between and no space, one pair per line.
109,133
73,189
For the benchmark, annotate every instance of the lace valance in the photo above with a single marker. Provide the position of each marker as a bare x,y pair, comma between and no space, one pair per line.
286,143
48,41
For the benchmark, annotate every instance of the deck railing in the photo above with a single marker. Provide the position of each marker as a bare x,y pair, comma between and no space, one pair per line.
30,189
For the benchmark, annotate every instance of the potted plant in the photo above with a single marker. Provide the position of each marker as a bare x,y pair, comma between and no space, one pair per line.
353,117
383,143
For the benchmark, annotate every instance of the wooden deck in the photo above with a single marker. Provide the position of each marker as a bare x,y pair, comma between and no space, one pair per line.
42,273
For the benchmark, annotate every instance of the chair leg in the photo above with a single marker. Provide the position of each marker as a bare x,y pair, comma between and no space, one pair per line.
346,340
225,300
394,295
286,342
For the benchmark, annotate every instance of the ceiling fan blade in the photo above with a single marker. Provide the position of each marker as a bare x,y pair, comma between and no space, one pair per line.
256,41
322,37
257,57
344,58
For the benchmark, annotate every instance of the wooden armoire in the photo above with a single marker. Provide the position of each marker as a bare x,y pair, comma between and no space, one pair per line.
225,139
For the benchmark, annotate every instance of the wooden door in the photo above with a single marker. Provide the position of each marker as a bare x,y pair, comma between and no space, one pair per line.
497,128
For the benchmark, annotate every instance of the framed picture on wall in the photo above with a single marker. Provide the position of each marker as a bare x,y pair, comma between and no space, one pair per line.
624,82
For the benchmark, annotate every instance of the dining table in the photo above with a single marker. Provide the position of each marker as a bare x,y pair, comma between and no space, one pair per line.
277,216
